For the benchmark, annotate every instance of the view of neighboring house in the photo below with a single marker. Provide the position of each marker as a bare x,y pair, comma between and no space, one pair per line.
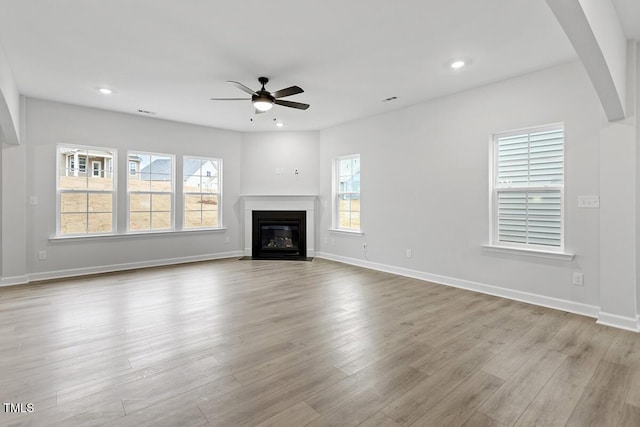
199,175
98,163
79,162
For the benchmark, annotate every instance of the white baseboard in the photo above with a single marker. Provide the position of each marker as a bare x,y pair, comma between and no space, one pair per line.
541,300
620,322
15,280
74,272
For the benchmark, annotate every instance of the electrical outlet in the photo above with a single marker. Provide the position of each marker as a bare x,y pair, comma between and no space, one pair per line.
42,255
409,253
578,279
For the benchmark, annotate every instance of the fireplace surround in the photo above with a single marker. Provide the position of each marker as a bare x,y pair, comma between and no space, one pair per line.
304,203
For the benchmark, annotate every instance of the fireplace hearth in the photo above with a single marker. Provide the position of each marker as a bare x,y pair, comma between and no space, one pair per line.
279,235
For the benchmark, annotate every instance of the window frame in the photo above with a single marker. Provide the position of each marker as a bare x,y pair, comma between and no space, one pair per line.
151,193
495,190
68,163
218,194
337,194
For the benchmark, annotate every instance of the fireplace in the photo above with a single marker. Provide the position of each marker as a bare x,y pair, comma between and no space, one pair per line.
279,203
279,235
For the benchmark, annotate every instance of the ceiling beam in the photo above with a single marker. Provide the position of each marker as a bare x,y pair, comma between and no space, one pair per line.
9,103
593,28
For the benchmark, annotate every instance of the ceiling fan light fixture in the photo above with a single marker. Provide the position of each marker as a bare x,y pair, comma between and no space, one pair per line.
262,104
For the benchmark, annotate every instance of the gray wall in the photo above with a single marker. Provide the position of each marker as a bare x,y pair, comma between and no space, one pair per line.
269,161
50,123
425,187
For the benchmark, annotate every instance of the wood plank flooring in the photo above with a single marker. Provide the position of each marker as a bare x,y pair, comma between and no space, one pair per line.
263,343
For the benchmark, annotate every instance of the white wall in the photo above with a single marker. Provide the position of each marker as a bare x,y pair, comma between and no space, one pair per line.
425,186
270,159
50,123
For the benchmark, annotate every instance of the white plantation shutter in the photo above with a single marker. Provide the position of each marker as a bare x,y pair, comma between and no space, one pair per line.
529,181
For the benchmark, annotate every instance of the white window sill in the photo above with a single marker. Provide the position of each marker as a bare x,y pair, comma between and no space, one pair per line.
346,231
563,256
134,235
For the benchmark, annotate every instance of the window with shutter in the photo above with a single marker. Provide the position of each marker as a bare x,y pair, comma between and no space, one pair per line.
528,188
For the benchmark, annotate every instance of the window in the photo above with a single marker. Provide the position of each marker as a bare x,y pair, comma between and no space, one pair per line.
150,192
96,168
528,193
347,193
202,192
85,201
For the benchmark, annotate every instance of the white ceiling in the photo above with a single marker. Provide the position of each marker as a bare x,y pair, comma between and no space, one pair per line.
171,57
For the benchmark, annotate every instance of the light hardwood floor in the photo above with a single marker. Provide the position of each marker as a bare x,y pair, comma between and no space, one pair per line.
244,343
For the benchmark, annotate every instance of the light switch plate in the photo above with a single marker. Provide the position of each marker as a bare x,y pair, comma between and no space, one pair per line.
588,201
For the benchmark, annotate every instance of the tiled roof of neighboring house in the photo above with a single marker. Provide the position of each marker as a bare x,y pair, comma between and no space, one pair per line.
160,169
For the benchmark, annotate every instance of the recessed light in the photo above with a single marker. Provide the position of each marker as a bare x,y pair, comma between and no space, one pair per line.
457,64
105,91
279,124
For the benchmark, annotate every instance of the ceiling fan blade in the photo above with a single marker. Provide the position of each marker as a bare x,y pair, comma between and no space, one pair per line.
230,99
293,90
242,87
298,105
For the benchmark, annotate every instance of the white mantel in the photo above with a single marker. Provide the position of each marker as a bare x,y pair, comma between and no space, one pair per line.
303,202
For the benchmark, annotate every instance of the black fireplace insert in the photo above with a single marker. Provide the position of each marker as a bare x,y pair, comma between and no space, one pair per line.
279,235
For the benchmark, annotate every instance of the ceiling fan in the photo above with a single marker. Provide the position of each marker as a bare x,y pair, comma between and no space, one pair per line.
263,100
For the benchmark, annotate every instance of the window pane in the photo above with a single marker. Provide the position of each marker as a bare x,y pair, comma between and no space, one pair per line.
192,169
139,202
530,159
73,223
72,182
160,182
530,217
355,203
355,220
100,202
210,218
139,221
160,220
345,203
161,202
209,202
345,219
74,164
73,202
193,202
193,219
136,183
100,223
